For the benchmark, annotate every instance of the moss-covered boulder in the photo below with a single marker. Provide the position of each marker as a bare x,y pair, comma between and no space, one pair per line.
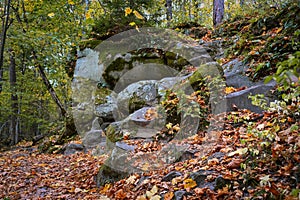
114,132
108,174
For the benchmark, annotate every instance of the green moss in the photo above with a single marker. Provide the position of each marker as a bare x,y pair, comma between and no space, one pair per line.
115,70
101,94
89,44
196,77
107,174
136,103
113,134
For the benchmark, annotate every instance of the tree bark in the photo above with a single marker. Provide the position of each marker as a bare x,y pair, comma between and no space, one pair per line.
169,11
70,128
51,90
5,26
218,12
14,99
242,3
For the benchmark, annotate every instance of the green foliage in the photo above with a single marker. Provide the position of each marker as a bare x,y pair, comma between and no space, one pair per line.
42,34
114,19
287,69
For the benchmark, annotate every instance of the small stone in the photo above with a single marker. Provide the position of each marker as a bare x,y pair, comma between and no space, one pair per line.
73,148
200,176
218,155
171,175
179,194
221,182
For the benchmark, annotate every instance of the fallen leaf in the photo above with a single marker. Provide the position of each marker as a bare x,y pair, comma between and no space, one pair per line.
213,162
169,196
189,183
120,194
154,190
156,197
141,197
235,163
199,191
131,179
240,151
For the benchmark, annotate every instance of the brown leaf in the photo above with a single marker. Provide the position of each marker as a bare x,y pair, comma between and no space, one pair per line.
120,194
235,163
200,191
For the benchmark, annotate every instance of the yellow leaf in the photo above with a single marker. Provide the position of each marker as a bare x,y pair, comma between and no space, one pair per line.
106,188
131,179
132,23
156,197
142,197
127,11
71,2
169,125
51,14
154,190
176,180
87,15
149,194
138,15
189,183
145,166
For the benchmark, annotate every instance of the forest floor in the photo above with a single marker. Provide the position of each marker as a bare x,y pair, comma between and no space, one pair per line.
259,160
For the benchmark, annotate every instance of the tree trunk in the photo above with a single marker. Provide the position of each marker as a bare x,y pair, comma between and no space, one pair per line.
51,91
14,99
218,12
169,11
242,3
70,128
5,26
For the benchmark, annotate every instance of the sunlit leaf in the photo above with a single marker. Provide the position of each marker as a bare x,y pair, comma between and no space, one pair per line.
51,14
132,24
189,183
138,15
128,11
71,2
169,125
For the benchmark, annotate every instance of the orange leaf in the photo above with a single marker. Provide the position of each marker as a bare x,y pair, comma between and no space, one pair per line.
169,196
229,90
105,189
120,194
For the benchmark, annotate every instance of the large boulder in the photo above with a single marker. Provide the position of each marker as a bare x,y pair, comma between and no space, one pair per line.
106,111
130,67
136,96
234,73
143,123
93,138
241,98
73,148
87,65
